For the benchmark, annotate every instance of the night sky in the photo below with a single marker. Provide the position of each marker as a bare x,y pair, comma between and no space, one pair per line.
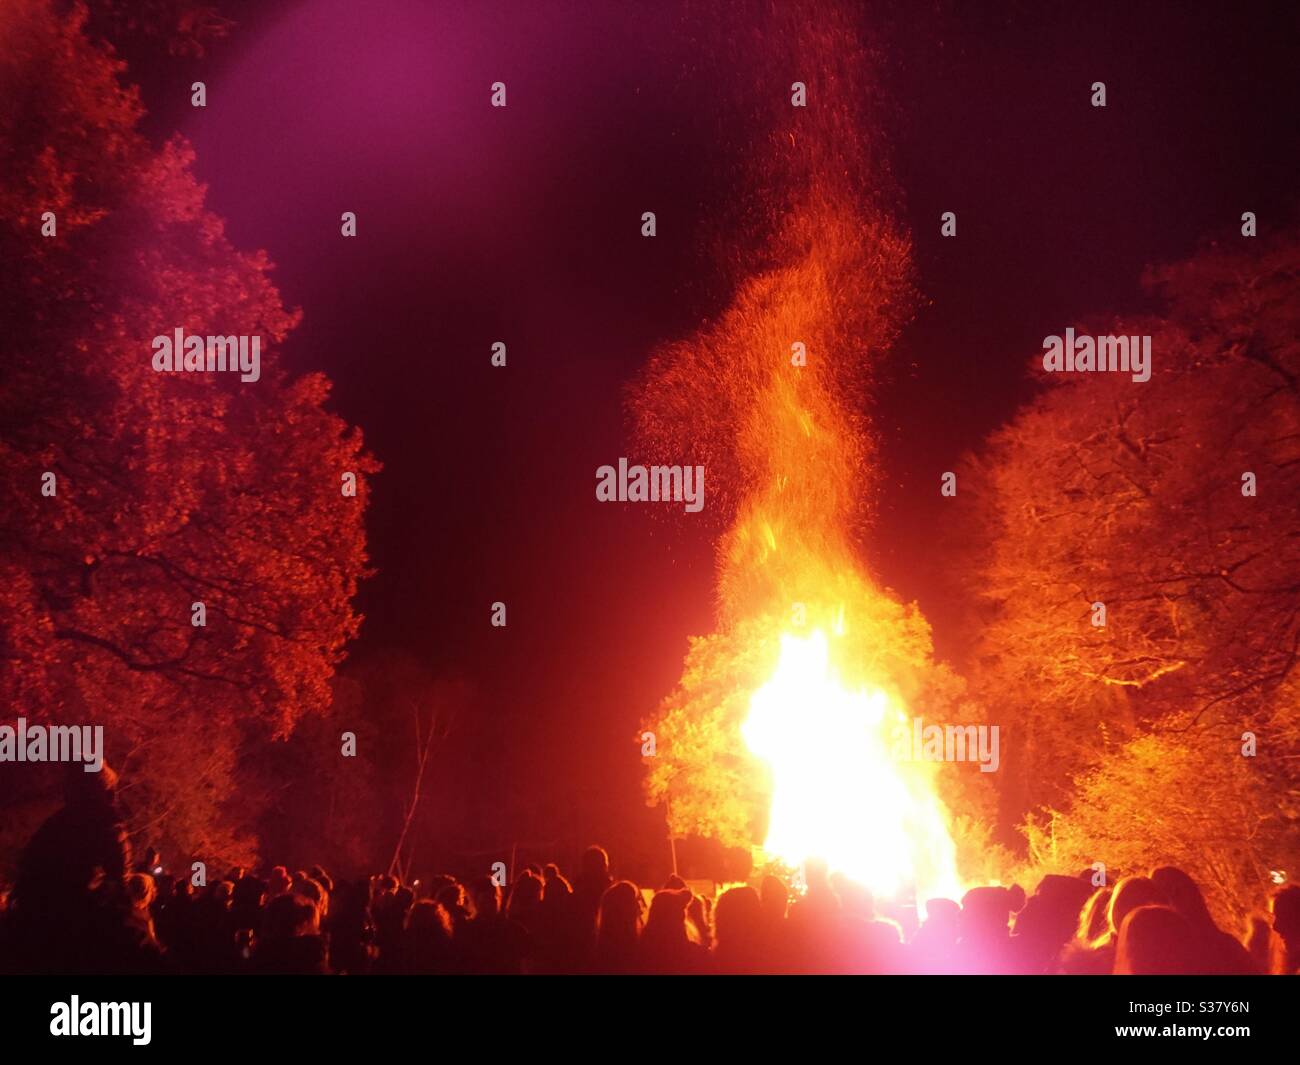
523,225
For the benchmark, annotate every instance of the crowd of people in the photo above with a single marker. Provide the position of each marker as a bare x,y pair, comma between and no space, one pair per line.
79,905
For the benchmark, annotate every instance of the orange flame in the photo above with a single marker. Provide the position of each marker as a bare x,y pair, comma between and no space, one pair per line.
771,397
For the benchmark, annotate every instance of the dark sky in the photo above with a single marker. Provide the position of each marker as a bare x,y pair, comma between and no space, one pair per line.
522,225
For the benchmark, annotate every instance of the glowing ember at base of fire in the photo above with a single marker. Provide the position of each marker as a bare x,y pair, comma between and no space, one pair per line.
837,794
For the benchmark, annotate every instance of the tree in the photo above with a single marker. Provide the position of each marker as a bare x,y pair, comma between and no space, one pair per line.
169,489
1160,800
393,800
185,26
1174,503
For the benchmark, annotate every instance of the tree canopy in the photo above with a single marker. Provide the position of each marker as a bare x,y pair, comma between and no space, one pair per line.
168,489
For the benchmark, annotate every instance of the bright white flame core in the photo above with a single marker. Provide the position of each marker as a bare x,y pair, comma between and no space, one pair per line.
838,794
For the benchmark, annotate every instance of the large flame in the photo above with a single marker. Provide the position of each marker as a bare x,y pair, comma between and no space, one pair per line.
838,794
772,397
